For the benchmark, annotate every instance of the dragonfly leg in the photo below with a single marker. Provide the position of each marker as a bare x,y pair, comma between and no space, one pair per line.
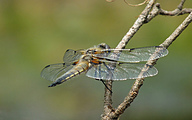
95,72
99,67
106,86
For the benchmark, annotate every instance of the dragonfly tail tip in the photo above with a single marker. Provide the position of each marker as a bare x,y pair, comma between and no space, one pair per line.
52,85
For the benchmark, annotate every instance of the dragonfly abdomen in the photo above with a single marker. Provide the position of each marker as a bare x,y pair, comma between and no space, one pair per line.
76,70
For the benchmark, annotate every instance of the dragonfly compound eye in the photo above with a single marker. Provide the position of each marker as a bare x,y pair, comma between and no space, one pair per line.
104,46
89,52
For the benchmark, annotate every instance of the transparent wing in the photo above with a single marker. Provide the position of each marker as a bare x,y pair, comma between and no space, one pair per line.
135,54
51,72
122,71
71,56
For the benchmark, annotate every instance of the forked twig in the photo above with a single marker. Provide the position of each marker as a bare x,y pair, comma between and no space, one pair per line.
139,82
157,10
148,13
139,22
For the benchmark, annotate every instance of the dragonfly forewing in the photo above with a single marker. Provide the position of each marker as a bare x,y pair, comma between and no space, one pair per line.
136,54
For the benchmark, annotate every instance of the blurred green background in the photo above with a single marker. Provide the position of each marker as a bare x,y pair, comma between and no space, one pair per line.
36,33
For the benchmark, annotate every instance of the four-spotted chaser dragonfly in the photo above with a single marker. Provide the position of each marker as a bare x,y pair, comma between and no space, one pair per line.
102,63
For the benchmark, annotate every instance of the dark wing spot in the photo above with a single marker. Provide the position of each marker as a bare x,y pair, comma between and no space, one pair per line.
47,66
119,63
150,66
158,46
67,50
131,49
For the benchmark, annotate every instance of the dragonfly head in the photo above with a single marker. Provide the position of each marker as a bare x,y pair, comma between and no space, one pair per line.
103,46
98,50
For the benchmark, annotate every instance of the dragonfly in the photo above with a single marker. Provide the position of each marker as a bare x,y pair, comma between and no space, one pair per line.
103,63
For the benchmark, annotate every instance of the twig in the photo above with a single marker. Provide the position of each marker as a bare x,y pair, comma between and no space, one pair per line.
157,10
139,22
178,31
136,4
139,82
145,16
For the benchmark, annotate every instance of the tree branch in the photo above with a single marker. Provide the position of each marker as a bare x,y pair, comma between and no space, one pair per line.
113,114
139,82
139,22
158,11
177,32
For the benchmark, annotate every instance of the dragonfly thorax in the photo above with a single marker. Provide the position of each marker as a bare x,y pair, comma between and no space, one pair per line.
86,58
